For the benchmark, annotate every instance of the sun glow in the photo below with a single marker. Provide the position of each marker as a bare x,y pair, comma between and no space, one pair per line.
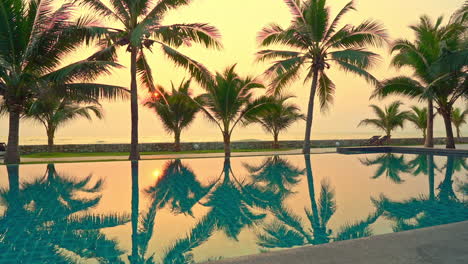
156,174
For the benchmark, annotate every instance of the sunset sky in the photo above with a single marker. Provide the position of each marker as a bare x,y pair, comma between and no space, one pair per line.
239,22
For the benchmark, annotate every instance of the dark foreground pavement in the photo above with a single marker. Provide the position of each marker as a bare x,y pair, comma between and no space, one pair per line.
447,244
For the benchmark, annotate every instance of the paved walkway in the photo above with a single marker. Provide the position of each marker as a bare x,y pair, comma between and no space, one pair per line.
192,156
447,244
175,156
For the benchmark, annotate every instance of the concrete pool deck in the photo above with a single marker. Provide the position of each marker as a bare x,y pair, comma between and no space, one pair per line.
207,155
446,244
402,150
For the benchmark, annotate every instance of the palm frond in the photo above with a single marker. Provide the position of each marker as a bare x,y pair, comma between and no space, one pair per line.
326,91
368,33
352,68
144,71
95,222
400,85
186,34
199,72
279,235
359,57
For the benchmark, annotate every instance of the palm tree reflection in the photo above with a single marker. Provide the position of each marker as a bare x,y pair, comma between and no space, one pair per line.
236,204
424,164
47,220
278,175
177,187
389,164
288,230
424,211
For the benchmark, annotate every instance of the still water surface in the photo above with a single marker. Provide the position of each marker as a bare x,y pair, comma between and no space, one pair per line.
190,211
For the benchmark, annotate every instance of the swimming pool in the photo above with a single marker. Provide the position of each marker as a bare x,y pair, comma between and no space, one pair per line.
197,210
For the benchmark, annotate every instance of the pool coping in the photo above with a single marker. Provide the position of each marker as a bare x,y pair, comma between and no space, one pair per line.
402,150
437,244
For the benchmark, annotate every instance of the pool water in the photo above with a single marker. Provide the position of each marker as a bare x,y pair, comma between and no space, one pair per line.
198,210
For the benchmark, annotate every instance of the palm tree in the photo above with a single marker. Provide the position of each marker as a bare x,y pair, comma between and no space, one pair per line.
389,119
141,28
280,116
36,38
458,119
229,101
316,42
54,112
432,40
176,110
419,119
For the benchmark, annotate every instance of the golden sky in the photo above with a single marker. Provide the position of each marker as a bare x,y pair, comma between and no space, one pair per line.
239,22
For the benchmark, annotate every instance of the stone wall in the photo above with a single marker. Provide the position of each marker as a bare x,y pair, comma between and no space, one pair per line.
157,147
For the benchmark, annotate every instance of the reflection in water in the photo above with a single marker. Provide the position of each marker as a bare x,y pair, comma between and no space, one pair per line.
288,230
277,174
233,203
45,221
178,187
49,219
389,164
425,211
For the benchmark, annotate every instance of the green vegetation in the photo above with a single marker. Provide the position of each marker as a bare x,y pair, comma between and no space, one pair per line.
388,119
35,39
419,119
279,117
176,110
229,100
53,112
437,57
315,43
459,119
110,154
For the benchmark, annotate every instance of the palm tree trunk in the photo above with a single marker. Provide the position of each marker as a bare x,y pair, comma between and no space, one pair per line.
446,114
310,112
12,151
458,133
134,152
50,139
429,140
134,258
227,144
177,141
275,140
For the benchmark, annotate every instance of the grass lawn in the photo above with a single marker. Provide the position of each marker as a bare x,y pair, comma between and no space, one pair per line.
113,154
